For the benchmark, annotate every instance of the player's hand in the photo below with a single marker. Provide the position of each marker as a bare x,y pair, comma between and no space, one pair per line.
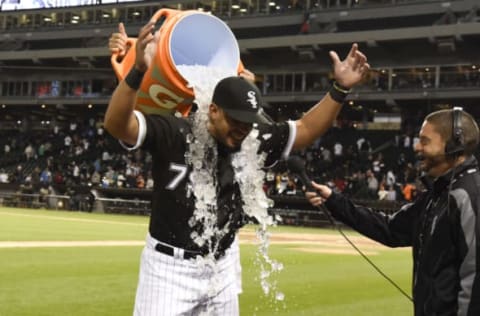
117,43
321,194
247,74
143,59
352,70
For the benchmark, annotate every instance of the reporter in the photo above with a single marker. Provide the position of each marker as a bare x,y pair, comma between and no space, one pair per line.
442,225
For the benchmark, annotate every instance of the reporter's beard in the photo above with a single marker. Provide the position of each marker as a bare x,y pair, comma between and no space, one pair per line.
428,163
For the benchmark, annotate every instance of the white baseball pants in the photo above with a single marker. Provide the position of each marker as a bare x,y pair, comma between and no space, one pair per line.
171,285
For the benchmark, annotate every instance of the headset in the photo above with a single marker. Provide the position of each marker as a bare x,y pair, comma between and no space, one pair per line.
455,146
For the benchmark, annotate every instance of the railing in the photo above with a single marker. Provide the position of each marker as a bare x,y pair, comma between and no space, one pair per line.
140,12
293,210
123,206
26,200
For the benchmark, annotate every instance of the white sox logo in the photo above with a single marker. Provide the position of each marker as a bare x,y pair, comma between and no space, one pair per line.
252,99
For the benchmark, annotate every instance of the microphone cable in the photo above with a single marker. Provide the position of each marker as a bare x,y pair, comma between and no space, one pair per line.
332,221
297,165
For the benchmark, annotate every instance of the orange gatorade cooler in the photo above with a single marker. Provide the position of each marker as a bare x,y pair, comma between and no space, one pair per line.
186,38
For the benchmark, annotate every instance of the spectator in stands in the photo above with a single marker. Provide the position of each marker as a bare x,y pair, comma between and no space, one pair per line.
391,194
3,176
140,181
29,152
338,151
390,178
172,226
442,224
409,191
291,188
378,166
372,184
149,183
46,176
281,182
305,26
6,149
382,193
95,178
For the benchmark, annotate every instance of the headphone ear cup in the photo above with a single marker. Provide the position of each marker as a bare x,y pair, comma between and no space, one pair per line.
451,148
455,145
448,147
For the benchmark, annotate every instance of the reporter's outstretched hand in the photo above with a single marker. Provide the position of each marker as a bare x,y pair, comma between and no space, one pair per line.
321,194
350,71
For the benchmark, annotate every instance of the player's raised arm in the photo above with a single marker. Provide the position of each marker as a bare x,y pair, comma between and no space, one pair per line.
120,120
348,73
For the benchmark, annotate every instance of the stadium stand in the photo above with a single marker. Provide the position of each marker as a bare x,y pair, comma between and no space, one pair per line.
56,80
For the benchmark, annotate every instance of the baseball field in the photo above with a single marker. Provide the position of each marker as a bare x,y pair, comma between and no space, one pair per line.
70,263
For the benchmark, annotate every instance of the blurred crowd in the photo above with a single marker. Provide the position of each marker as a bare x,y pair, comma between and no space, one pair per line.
361,166
376,165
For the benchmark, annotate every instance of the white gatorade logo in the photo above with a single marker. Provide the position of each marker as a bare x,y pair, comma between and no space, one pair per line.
164,97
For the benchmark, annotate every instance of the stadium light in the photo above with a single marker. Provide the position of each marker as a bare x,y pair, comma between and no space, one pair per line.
235,6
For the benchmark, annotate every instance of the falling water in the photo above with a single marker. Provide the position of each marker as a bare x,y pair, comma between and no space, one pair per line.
247,165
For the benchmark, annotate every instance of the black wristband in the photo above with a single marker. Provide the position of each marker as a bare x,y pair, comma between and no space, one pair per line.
134,78
338,93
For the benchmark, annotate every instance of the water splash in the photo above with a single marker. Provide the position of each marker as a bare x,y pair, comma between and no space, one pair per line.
202,153
247,165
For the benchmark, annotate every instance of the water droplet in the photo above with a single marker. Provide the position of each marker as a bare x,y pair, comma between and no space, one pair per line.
279,296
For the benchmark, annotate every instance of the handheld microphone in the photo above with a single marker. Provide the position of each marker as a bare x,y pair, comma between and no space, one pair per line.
296,165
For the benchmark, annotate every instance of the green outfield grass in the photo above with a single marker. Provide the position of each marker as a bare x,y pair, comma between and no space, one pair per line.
102,280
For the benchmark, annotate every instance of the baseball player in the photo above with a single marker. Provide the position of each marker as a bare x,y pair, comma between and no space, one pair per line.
172,280
118,44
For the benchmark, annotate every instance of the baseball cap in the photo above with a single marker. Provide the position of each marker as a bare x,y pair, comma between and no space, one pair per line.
241,100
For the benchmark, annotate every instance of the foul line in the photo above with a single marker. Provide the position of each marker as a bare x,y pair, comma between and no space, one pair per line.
75,219
48,244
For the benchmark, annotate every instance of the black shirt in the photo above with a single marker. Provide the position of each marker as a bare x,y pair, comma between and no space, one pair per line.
165,137
443,228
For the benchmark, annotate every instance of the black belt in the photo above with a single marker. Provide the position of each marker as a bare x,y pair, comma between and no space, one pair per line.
168,250
187,254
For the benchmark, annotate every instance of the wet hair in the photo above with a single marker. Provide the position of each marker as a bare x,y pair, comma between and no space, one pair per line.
442,122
